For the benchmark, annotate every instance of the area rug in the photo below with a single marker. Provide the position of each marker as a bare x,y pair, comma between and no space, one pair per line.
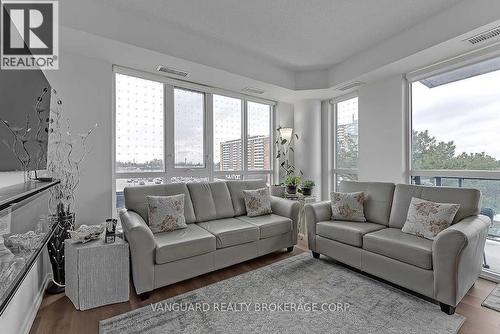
300,295
493,299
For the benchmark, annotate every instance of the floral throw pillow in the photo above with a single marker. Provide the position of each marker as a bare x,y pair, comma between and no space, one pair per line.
348,206
166,213
257,202
426,219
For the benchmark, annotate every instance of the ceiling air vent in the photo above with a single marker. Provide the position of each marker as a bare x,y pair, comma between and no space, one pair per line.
252,90
484,36
171,70
351,85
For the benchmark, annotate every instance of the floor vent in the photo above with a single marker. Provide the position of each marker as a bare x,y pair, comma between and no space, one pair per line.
351,85
484,36
171,70
252,90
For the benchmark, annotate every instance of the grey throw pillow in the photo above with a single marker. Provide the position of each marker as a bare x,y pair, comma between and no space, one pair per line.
166,213
257,202
348,206
426,219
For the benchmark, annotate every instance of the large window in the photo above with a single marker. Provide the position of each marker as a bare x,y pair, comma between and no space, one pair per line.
345,140
454,130
168,131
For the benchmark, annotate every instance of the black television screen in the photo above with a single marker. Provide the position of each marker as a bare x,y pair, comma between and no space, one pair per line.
24,119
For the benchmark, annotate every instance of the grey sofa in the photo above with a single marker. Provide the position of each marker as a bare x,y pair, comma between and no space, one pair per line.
219,234
443,269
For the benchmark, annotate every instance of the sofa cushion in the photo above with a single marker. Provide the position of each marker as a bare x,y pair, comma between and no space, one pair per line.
347,232
231,231
166,213
236,190
378,199
211,201
135,198
269,225
257,202
181,244
469,200
348,206
393,243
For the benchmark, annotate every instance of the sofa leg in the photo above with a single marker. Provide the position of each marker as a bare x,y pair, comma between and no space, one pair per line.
289,249
448,309
315,255
145,295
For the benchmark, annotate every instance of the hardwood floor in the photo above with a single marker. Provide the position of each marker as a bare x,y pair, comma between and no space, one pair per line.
58,315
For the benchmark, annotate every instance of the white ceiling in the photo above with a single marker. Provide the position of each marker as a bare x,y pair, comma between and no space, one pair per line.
294,34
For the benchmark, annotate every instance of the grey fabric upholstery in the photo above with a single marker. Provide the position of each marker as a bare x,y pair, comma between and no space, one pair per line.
166,258
236,190
211,201
231,231
393,243
443,269
135,198
457,256
315,213
142,249
269,225
347,232
378,198
287,208
469,200
183,243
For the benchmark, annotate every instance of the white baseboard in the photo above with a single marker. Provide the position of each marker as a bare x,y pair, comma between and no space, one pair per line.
31,314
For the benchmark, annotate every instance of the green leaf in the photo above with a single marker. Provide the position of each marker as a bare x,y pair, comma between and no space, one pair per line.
297,136
291,149
283,142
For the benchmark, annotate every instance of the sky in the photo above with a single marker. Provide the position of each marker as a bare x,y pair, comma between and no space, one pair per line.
466,112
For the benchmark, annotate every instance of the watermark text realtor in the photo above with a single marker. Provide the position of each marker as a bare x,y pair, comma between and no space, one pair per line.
29,35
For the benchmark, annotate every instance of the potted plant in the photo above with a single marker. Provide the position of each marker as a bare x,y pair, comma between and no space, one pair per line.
284,151
292,182
307,187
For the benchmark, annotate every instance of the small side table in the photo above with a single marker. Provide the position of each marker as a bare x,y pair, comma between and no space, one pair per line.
97,273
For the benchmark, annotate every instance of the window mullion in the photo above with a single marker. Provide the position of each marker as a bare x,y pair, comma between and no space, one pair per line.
244,136
169,131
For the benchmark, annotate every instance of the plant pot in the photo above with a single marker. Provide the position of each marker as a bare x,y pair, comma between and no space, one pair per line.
291,189
55,246
277,190
307,191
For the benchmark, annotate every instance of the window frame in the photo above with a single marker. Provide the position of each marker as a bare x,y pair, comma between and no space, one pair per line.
335,171
169,170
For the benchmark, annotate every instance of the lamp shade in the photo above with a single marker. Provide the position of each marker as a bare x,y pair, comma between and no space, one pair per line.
286,133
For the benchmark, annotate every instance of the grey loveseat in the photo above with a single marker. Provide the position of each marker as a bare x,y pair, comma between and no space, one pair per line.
443,269
219,234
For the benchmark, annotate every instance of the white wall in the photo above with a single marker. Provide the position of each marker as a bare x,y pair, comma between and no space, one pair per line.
85,87
382,131
307,124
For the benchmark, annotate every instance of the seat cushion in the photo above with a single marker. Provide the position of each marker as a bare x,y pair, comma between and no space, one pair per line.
211,201
231,231
181,244
469,200
236,190
269,225
393,243
347,232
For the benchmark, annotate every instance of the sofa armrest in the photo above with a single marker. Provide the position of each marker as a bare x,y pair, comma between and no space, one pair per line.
289,209
457,255
142,249
314,213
